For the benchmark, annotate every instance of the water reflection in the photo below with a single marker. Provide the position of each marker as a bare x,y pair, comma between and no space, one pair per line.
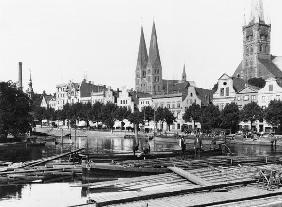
62,194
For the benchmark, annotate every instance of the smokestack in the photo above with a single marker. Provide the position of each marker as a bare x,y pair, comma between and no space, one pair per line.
20,76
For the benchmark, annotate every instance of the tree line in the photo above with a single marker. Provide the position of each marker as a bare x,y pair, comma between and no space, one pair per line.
211,117
18,112
106,113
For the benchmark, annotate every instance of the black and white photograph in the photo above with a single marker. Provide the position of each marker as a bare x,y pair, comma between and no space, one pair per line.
140,103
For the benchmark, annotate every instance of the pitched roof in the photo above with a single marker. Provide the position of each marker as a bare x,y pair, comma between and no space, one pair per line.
238,69
267,65
238,84
154,56
254,88
142,59
205,95
175,86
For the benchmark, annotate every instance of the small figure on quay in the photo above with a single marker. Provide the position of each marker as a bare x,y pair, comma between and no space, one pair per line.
273,140
197,145
146,148
135,146
213,142
182,144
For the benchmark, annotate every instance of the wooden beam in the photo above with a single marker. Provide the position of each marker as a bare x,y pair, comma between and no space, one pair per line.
192,178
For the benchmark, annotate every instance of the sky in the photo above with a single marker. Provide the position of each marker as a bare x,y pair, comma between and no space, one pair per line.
62,40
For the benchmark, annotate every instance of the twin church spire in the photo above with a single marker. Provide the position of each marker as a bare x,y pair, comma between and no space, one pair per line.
149,70
148,74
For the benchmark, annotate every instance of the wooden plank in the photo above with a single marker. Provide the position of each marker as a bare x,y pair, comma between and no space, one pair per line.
192,178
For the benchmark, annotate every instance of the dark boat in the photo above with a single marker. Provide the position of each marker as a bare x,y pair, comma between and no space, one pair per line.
107,157
104,170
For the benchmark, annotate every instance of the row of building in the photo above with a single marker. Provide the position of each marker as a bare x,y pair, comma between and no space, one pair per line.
177,95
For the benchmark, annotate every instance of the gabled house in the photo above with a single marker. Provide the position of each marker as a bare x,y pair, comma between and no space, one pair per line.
45,102
226,90
271,91
247,95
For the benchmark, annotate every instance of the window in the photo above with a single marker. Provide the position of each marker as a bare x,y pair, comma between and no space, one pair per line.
278,97
143,74
222,92
270,87
263,99
168,106
173,106
227,91
246,97
253,97
238,98
178,105
191,94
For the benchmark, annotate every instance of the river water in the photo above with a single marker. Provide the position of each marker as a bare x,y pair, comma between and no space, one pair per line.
62,194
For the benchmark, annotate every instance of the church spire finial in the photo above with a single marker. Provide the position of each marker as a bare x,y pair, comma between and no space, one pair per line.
257,14
183,74
142,53
154,55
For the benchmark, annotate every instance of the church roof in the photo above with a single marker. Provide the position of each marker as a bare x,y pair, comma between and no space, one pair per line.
205,95
142,53
174,86
267,65
238,84
154,56
272,67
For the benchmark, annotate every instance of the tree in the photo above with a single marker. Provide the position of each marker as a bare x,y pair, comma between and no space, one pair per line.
257,82
273,114
38,113
15,110
148,113
136,118
122,113
210,117
193,113
251,112
168,117
109,114
230,117
96,112
159,116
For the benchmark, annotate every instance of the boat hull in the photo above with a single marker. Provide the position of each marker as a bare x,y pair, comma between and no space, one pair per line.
103,171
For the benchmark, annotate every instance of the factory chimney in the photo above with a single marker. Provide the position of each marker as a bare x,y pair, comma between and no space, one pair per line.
20,83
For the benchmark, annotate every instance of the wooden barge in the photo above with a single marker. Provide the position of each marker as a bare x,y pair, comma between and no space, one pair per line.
214,186
100,157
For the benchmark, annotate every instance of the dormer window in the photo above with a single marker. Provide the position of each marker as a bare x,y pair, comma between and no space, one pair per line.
270,87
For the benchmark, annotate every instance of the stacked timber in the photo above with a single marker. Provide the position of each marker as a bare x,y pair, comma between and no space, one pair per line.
177,182
33,171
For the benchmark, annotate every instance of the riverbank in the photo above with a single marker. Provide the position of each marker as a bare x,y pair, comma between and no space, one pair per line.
264,142
57,132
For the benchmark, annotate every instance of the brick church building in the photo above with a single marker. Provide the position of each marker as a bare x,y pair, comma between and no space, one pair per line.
257,61
148,73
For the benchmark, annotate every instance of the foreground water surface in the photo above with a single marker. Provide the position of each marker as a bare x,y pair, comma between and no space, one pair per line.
61,194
